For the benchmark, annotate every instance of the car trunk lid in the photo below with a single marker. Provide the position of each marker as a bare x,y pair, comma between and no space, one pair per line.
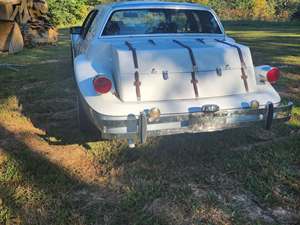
154,70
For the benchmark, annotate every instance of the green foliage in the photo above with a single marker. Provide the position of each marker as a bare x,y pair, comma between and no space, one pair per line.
72,11
67,11
253,9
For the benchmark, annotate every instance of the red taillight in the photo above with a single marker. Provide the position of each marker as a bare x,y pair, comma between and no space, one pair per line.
102,85
273,75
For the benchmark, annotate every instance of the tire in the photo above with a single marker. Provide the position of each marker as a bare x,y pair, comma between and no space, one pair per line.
84,123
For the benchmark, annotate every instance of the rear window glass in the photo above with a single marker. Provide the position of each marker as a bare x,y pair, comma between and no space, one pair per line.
160,21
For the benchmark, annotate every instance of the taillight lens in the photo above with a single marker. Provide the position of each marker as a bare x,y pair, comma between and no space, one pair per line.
102,85
273,75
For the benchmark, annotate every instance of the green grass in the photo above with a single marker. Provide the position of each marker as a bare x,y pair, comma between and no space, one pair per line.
238,176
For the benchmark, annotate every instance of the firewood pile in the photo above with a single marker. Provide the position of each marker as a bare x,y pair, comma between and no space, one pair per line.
29,16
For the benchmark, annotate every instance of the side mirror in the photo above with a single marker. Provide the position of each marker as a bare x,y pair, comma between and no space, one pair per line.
76,30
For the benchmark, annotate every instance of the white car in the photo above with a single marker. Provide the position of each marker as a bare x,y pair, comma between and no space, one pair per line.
159,68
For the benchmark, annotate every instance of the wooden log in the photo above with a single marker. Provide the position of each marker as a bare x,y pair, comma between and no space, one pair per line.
15,13
21,11
26,16
41,6
30,3
19,17
11,39
5,30
37,13
40,35
6,11
16,42
12,2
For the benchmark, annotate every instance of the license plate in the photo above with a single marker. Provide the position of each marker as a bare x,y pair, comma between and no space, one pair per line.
207,121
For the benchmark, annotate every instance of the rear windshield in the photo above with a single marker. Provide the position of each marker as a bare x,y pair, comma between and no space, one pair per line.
160,21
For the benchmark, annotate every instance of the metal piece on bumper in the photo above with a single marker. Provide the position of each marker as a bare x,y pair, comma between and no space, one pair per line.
269,115
142,126
138,128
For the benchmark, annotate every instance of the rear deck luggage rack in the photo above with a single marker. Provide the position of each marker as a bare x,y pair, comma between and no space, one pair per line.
243,64
137,82
194,81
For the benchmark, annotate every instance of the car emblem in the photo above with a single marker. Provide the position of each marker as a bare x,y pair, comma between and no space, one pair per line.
227,67
153,71
219,71
165,74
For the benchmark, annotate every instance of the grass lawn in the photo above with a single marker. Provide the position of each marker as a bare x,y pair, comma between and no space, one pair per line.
51,174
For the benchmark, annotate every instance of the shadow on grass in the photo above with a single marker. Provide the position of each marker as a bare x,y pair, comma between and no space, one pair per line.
38,191
46,90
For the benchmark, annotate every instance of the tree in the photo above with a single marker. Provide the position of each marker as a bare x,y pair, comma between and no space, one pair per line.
67,11
259,9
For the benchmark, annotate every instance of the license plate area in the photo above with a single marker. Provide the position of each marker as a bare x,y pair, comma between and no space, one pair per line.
206,121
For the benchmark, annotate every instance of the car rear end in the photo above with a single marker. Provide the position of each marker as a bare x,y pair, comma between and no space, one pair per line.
162,83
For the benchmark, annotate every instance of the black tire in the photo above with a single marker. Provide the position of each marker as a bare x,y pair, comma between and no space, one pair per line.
84,123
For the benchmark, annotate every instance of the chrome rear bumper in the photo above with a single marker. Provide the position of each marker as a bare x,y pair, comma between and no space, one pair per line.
138,128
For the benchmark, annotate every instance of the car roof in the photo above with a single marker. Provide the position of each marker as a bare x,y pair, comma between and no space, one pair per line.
154,4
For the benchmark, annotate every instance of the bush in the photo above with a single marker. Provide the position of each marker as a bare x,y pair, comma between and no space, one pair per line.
254,9
67,11
262,10
73,11
296,15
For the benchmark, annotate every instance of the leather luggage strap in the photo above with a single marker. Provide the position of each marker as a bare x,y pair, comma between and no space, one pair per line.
194,81
137,82
200,40
243,64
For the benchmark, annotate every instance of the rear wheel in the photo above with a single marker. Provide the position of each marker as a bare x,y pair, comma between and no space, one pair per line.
84,123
